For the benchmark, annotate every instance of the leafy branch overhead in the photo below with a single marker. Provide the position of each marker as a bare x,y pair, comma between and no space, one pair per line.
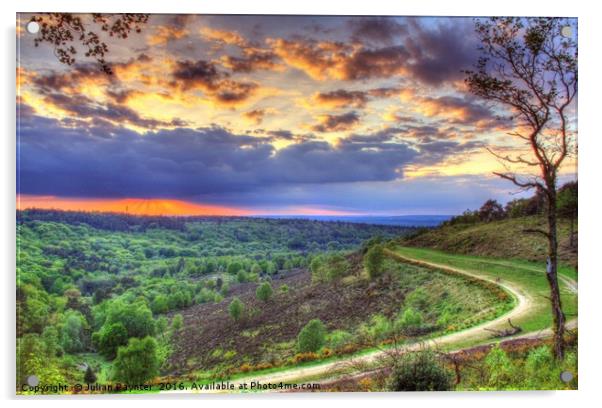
72,33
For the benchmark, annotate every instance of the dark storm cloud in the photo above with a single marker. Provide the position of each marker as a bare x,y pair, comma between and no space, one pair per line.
216,85
194,74
337,123
252,59
108,161
385,48
378,29
375,63
440,54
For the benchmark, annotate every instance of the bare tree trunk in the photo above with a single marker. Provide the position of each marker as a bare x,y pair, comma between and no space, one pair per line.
552,274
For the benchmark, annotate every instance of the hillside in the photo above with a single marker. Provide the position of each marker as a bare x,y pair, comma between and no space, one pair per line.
501,239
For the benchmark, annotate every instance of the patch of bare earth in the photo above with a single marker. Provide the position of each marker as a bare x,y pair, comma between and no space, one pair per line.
256,337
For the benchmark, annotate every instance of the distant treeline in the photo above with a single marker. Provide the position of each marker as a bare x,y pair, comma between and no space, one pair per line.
492,210
126,222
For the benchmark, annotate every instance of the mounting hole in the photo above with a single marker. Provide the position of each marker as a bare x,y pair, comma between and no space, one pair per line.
566,376
566,31
33,380
32,27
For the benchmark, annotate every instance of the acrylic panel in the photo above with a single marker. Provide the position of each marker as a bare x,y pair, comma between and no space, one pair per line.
287,203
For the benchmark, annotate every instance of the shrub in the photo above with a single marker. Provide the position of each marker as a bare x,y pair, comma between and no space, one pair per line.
264,292
242,276
378,328
256,269
234,268
329,267
420,371
225,289
177,323
373,261
409,321
538,367
312,337
284,288
160,304
418,299
500,368
339,338
137,362
307,356
236,308
89,376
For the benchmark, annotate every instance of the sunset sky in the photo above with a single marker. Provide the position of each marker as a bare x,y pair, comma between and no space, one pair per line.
243,115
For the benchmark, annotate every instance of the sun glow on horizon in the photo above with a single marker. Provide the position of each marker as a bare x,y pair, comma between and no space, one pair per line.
161,207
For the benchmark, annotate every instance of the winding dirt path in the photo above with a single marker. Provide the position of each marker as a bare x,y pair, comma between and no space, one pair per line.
524,304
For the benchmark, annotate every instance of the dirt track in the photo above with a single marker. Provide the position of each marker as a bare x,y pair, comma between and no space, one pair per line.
524,303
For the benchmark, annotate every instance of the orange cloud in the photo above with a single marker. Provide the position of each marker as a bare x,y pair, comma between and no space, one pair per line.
164,34
323,60
223,36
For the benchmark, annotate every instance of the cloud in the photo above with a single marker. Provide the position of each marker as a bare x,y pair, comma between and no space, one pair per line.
341,98
383,48
337,123
441,53
82,107
101,160
251,58
164,34
462,110
173,28
384,30
337,60
255,115
204,75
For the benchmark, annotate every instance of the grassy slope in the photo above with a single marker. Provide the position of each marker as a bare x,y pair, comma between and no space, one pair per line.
523,274
501,239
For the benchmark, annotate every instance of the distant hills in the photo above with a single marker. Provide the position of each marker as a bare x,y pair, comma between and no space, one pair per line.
397,220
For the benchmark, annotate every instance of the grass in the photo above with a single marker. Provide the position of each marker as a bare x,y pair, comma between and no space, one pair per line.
502,239
527,275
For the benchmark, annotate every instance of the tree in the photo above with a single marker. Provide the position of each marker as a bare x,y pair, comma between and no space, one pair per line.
66,32
89,376
530,68
312,337
109,338
491,210
135,317
236,308
264,291
420,371
137,362
72,332
373,261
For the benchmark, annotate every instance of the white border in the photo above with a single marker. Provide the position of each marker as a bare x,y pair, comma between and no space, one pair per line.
590,283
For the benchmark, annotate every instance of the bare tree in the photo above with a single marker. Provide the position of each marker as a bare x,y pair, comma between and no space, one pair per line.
529,66
67,32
